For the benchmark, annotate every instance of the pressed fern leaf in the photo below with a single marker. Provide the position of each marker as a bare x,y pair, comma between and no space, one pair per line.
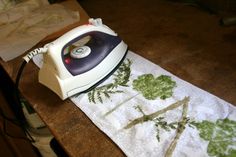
121,78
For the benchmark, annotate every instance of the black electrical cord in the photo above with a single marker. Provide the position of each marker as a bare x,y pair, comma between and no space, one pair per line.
17,92
7,87
18,98
23,122
19,73
21,118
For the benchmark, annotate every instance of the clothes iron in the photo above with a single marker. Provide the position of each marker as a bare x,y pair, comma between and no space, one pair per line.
73,65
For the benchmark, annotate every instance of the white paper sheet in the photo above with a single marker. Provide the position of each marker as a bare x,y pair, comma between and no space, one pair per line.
6,4
24,25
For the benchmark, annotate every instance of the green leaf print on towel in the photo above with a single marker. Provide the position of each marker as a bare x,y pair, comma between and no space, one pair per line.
121,78
151,87
160,122
221,136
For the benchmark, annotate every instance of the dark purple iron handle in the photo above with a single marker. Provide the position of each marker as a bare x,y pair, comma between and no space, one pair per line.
101,44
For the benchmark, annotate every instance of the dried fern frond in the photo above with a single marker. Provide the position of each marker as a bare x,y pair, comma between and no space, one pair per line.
121,78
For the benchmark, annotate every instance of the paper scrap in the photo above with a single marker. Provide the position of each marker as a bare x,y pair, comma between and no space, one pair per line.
22,27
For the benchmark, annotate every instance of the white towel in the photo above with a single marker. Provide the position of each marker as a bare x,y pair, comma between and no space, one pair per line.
208,126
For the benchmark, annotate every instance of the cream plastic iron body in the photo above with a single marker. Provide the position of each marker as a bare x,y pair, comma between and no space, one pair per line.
70,68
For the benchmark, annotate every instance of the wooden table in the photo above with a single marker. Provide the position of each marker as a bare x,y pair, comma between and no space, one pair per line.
70,126
205,59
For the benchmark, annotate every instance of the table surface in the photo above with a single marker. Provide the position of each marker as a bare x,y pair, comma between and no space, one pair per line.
70,126
73,129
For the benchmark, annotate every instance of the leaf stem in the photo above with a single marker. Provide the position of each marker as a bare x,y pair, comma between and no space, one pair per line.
120,104
180,129
157,113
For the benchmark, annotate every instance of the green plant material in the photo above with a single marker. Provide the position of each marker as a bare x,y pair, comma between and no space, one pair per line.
151,87
121,78
180,129
160,123
120,104
146,118
122,75
221,136
100,93
157,113
138,107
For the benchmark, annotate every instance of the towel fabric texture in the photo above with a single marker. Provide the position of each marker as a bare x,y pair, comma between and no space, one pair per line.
149,112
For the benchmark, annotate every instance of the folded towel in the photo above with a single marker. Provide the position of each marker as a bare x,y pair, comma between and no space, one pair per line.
149,112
